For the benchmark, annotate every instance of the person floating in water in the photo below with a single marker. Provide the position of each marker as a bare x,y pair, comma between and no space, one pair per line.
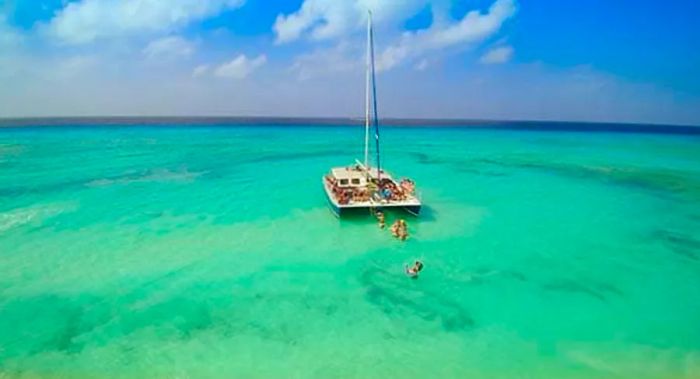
403,230
381,219
400,229
415,269
395,228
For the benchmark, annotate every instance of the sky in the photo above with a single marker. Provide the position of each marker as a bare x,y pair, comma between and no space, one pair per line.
566,60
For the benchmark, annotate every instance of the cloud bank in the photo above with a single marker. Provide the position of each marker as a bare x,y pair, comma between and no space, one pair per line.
97,57
240,67
169,47
475,27
90,20
496,55
329,19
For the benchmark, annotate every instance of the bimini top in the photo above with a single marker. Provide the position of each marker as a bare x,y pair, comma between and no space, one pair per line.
349,176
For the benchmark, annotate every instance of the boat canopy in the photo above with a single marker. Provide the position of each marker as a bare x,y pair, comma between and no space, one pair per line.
349,177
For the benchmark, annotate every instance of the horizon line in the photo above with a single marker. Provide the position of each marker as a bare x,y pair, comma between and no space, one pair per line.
330,120
493,124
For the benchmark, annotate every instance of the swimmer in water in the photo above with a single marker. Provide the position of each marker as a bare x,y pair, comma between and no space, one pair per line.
402,230
415,269
396,228
380,218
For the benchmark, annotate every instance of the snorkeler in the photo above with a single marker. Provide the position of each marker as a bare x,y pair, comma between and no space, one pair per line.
415,269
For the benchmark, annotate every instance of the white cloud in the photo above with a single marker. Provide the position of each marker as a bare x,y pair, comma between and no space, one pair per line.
240,67
331,19
473,28
90,20
169,47
422,65
327,19
200,70
520,92
8,36
328,61
501,54
74,66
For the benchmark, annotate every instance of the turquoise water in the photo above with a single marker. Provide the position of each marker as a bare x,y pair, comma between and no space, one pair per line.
209,252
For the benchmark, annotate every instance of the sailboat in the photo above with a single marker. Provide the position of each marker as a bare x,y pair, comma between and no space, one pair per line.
361,186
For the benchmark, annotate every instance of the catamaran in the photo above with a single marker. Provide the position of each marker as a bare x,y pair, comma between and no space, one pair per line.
360,186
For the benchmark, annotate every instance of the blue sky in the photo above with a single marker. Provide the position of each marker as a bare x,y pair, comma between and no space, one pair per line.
594,60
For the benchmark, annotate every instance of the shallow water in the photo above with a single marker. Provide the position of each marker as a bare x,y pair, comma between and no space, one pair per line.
209,252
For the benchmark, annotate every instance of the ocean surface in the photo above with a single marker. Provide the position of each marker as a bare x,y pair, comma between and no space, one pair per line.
209,252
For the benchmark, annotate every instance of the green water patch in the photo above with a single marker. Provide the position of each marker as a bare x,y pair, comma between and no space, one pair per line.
35,325
34,217
663,180
81,181
66,323
11,149
602,292
681,244
151,175
552,257
69,325
43,189
487,275
461,165
399,296
426,159
286,157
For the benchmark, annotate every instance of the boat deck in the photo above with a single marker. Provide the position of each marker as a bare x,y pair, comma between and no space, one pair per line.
411,203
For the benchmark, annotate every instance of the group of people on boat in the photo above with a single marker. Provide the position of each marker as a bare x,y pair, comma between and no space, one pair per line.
360,195
389,190
384,189
344,195
408,186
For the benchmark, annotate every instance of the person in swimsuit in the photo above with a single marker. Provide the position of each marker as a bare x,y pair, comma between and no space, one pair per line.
402,230
381,219
415,269
395,228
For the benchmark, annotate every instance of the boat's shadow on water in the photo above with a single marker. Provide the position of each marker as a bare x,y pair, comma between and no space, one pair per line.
363,215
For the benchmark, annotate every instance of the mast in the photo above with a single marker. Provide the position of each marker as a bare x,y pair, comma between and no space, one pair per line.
374,97
367,82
